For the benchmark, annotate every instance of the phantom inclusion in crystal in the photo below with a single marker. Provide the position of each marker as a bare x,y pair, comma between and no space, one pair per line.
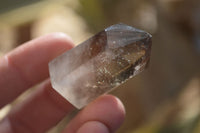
100,64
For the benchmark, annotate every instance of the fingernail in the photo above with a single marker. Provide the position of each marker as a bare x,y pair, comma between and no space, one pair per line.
93,127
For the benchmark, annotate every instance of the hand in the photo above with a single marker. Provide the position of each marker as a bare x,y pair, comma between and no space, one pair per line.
26,66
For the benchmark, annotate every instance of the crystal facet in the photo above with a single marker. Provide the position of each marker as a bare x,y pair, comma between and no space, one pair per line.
100,64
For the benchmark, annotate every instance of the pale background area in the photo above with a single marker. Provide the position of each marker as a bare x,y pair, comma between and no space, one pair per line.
163,99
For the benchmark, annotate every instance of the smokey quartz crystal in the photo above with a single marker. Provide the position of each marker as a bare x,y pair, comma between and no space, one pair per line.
100,64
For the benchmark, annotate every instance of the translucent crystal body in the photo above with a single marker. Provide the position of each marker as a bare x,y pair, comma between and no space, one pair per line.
100,64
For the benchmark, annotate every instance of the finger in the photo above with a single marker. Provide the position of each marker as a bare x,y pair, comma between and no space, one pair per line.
28,64
93,127
39,112
107,111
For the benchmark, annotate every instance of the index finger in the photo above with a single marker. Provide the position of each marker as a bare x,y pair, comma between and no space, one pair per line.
28,64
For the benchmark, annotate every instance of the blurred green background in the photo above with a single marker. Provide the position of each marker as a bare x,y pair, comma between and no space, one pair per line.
163,99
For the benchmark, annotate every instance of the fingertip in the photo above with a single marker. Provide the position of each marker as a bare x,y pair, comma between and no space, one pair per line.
112,101
59,38
106,109
93,127
114,109
60,35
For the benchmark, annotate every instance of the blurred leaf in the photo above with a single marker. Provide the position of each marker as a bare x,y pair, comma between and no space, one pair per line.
92,11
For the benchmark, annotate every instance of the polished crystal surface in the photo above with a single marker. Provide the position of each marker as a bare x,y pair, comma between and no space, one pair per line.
100,64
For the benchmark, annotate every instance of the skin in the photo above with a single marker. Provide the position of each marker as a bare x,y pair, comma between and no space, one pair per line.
27,66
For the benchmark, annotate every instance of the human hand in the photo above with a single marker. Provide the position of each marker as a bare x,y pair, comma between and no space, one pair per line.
26,66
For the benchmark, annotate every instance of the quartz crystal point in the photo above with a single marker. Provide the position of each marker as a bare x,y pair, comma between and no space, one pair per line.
100,64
